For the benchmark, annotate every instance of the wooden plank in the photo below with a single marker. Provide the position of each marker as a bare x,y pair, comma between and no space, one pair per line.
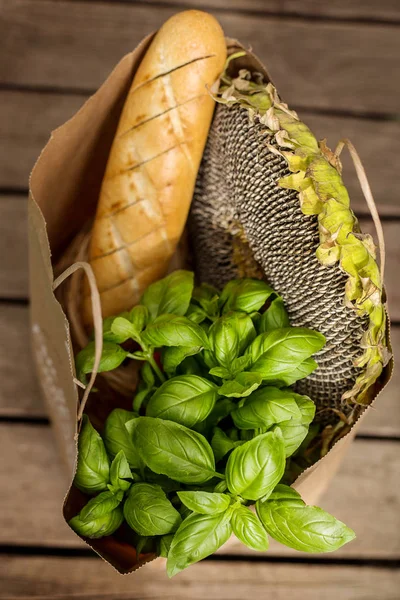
13,247
19,391
332,65
26,121
334,9
362,495
23,134
45,577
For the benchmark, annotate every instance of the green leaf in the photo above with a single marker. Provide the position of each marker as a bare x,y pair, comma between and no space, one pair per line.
224,341
307,408
243,385
170,330
111,358
173,356
205,503
139,317
174,450
220,372
222,444
108,335
99,506
116,436
120,472
287,494
246,333
123,329
275,317
100,527
148,511
196,314
93,468
256,467
185,399
304,528
197,537
248,529
221,410
190,366
240,364
281,351
303,370
169,295
293,434
167,484
265,407
247,295
164,544
147,375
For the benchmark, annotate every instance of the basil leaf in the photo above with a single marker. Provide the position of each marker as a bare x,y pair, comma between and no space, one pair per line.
307,408
205,503
100,527
282,350
222,444
120,472
93,468
256,467
111,358
293,434
240,364
247,295
170,330
148,511
243,385
167,484
164,544
220,372
275,317
185,399
116,436
246,333
304,528
169,295
190,366
99,506
174,450
224,341
303,370
289,495
173,356
123,329
108,335
221,410
139,317
248,529
265,407
197,537
196,314
207,297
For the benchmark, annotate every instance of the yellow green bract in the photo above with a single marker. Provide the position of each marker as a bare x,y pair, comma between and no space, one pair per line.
316,175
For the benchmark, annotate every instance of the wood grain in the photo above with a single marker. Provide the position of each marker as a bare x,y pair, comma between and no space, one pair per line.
334,9
45,577
27,119
366,483
13,247
19,390
76,45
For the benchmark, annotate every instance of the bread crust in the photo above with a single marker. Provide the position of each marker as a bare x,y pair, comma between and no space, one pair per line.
152,167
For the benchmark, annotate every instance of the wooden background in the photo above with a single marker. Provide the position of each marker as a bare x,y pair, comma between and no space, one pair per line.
337,63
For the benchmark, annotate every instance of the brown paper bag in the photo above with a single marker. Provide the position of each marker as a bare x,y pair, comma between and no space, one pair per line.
64,189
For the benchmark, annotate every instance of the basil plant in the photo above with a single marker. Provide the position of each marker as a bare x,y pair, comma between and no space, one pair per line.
215,428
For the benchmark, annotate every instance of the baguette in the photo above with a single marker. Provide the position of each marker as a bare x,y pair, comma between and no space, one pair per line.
152,167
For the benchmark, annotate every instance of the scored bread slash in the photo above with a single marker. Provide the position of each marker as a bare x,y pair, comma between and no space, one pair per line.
152,167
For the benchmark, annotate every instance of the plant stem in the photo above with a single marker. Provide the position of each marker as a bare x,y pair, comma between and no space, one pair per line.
219,475
156,368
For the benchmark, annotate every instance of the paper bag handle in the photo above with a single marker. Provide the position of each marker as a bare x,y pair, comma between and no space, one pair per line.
97,322
366,190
